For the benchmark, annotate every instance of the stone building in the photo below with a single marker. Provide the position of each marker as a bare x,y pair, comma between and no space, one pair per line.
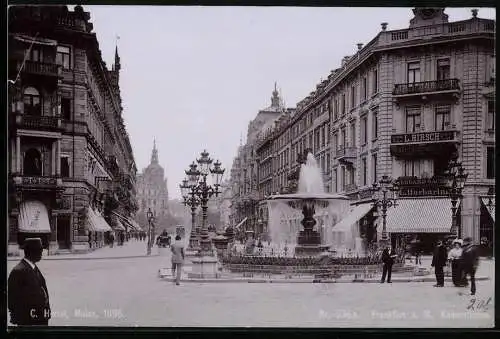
152,191
404,105
71,167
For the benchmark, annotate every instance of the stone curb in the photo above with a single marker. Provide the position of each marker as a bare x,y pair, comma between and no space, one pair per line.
61,257
307,281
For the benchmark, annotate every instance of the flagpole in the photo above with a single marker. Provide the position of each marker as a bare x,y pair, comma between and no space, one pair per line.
25,58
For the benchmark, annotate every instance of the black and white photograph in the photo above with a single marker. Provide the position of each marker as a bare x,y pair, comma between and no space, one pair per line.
250,167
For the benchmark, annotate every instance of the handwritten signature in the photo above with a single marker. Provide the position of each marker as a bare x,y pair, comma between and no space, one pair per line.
479,304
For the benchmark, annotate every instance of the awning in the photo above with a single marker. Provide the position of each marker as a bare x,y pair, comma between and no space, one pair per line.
353,217
33,217
241,223
491,209
131,223
119,226
425,215
39,41
97,222
134,224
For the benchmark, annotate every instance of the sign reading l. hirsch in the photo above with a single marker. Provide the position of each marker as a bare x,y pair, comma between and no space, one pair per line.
423,137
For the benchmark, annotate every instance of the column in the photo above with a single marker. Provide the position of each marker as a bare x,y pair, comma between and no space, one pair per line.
18,154
53,167
58,157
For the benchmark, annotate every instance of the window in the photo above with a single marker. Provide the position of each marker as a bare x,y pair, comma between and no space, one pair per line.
363,169
327,163
491,76
342,178
375,81
490,162
343,138
353,134
353,96
327,132
411,168
374,167
35,54
375,124
364,89
32,164
31,101
343,104
335,178
490,119
412,119
364,129
66,108
335,142
413,72
65,167
443,113
443,69
335,109
63,57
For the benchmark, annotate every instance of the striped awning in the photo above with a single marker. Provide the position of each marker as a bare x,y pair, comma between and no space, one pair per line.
96,221
425,215
356,213
491,209
119,226
129,222
33,217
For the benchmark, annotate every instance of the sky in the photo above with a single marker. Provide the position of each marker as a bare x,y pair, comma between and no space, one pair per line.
193,77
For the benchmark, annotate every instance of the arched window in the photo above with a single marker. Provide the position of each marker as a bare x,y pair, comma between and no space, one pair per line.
32,162
32,102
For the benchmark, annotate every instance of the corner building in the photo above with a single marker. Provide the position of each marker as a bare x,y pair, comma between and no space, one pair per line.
402,106
71,166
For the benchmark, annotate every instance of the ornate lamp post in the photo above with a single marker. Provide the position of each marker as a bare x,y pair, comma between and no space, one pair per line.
384,202
455,181
192,201
151,219
198,182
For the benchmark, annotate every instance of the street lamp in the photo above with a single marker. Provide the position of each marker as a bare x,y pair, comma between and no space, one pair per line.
190,199
455,180
384,201
197,180
151,219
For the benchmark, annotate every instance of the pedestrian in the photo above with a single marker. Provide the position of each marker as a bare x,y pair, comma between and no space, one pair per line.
388,257
455,257
470,261
438,262
122,238
177,249
28,297
112,239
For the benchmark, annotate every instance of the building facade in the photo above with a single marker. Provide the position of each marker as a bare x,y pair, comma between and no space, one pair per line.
152,191
70,159
403,106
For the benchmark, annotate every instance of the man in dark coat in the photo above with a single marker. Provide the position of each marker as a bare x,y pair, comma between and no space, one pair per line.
438,262
28,297
388,256
469,263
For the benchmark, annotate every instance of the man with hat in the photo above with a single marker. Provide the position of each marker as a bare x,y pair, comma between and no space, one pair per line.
438,262
470,260
28,297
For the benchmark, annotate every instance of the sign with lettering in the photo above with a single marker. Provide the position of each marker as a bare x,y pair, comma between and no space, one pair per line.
423,137
423,191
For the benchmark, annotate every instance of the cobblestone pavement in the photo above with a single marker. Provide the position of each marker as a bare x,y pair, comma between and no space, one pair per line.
127,292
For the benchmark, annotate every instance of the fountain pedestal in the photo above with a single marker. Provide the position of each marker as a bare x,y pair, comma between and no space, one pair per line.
309,240
204,267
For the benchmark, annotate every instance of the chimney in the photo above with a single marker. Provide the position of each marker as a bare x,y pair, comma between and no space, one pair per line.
360,45
384,26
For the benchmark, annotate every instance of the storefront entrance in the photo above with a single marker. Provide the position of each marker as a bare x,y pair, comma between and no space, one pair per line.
64,232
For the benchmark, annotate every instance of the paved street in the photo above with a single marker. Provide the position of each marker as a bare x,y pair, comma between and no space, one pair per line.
127,292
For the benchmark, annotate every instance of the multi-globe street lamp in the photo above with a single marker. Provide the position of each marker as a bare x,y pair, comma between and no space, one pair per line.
190,199
197,182
384,201
455,182
151,219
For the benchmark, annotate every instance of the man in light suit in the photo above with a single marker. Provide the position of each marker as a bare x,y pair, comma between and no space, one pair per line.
28,296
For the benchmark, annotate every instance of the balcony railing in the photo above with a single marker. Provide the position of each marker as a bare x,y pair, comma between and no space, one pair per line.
38,122
344,153
350,188
417,88
40,68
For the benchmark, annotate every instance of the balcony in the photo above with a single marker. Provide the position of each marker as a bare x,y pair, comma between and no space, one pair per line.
351,188
425,88
37,122
33,182
346,155
424,144
40,68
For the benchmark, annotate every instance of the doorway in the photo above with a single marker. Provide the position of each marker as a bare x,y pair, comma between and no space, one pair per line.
63,232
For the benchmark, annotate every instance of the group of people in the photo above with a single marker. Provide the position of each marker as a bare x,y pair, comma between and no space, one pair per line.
464,260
